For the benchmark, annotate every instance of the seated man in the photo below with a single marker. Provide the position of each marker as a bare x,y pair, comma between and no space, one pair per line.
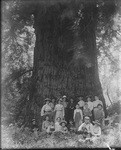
86,128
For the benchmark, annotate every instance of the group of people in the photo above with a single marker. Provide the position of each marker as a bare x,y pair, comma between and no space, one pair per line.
82,117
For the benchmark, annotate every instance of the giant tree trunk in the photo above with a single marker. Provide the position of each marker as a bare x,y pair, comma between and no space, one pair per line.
53,74
93,81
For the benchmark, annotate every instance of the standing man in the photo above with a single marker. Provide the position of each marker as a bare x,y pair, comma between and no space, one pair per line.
65,104
71,106
90,106
52,105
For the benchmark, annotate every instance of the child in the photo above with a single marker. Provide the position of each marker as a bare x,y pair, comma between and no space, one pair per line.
64,129
57,124
87,111
96,130
51,128
45,124
78,116
99,114
71,127
34,125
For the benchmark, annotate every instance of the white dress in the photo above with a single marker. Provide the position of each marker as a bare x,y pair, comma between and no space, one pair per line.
59,109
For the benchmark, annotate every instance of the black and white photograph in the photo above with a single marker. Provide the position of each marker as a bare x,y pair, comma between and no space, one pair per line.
60,74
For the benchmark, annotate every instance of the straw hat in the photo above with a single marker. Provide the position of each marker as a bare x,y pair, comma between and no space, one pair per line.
64,96
96,122
47,99
86,117
63,121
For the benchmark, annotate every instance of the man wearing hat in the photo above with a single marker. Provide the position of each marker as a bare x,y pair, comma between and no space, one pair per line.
64,101
86,125
46,109
65,104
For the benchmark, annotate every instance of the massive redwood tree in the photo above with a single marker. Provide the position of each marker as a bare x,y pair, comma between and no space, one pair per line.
65,53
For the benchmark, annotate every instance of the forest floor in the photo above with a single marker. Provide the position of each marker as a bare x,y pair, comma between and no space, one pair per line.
14,137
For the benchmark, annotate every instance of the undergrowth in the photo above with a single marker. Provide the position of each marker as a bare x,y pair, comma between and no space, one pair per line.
14,137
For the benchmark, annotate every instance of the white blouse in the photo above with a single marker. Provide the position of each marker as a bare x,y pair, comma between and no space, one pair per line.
90,105
95,103
88,126
59,107
45,108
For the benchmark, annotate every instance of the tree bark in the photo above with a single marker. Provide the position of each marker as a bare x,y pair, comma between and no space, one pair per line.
93,80
109,96
52,75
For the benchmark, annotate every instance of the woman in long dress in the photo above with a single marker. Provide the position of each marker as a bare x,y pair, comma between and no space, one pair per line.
46,109
78,116
59,110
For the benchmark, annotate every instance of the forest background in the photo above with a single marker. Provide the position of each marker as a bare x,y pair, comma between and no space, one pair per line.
64,22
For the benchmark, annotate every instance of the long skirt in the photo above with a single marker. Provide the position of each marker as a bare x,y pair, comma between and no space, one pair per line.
70,114
78,120
67,115
59,113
